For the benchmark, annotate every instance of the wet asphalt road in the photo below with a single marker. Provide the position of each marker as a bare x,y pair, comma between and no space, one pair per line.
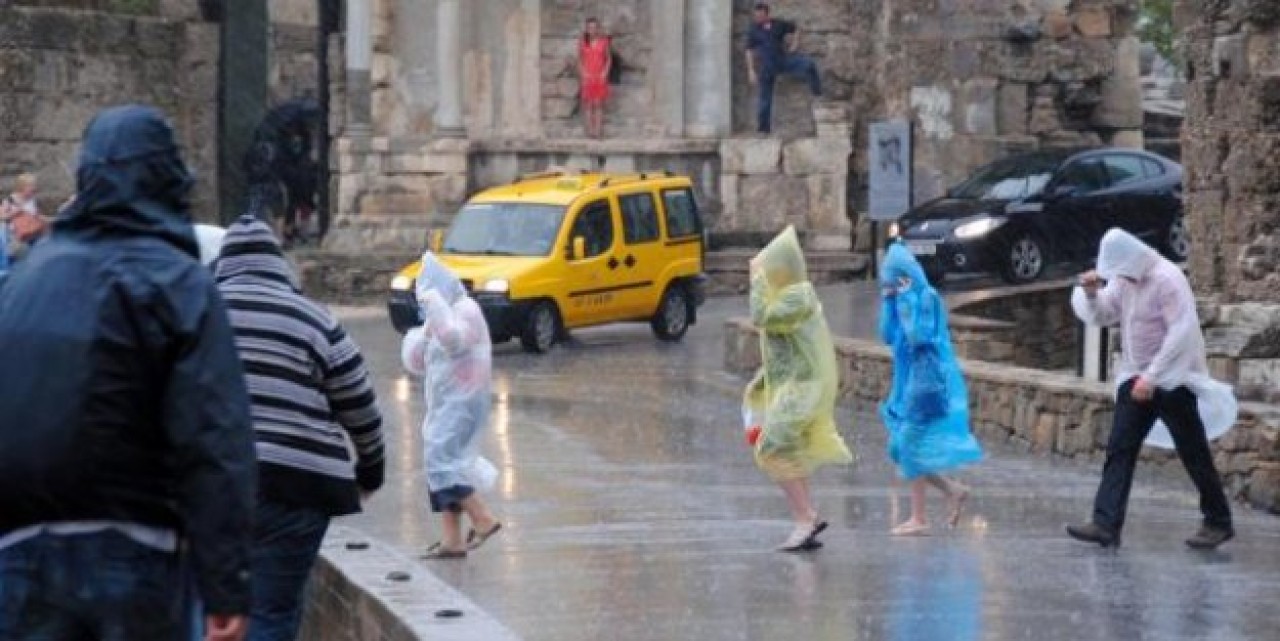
633,511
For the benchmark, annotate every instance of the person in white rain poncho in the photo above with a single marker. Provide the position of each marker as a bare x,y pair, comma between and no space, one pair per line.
1163,383
451,351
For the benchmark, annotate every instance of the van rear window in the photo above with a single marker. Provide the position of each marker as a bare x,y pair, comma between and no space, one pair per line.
682,213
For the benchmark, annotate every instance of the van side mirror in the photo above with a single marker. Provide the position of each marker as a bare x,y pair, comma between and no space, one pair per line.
579,249
435,241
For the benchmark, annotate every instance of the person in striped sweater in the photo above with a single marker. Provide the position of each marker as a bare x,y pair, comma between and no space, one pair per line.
311,401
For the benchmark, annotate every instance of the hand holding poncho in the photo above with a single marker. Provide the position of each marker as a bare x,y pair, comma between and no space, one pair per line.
927,411
795,390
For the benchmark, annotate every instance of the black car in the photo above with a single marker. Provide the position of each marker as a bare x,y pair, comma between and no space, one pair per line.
1021,214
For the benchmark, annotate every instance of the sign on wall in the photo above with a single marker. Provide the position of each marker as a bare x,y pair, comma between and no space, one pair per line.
890,156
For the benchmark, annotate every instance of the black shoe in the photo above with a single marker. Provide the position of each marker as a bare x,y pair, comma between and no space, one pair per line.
1091,533
1209,537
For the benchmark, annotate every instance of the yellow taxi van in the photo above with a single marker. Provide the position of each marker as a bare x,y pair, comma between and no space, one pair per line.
558,251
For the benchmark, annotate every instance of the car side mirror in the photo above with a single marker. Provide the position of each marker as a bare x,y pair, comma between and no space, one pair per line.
578,250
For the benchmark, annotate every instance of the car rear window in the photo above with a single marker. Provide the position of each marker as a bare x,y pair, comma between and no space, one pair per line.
682,213
1153,168
1124,169
639,218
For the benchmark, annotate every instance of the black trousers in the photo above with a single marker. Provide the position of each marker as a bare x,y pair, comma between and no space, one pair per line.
1133,422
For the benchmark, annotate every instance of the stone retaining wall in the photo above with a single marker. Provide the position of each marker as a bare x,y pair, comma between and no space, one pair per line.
363,589
1029,326
1045,412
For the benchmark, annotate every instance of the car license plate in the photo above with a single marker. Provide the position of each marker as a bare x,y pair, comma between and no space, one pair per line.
923,249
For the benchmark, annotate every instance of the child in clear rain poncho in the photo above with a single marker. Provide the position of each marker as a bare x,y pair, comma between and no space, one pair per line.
927,411
791,401
451,351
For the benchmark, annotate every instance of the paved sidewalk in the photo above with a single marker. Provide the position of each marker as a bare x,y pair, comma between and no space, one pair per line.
634,512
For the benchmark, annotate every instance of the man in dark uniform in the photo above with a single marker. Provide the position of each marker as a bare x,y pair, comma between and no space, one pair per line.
771,51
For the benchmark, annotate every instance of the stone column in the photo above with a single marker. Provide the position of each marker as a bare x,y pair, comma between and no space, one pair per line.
667,68
359,57
708,86
448,118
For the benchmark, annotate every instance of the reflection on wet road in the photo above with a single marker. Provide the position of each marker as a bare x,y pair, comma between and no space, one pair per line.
634,512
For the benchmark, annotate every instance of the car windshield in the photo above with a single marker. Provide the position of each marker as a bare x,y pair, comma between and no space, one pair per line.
1009,179
504,229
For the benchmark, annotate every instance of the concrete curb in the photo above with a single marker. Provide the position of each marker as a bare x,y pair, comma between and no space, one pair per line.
363,589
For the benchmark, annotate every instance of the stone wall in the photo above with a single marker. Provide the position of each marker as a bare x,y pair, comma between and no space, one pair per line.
836,34
1028,326
631,25
1232,146
1046,413
982,79
59,66
292,67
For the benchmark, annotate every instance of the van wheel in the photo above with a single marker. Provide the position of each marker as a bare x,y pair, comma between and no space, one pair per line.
672,319
541,329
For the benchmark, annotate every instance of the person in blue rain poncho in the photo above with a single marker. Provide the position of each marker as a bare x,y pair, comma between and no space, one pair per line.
451,351
927,411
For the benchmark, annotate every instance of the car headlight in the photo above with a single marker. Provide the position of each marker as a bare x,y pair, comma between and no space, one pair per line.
979,227
496,286
402,283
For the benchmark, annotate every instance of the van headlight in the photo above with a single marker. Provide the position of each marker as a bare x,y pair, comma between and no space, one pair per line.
496,286
402,283
978,228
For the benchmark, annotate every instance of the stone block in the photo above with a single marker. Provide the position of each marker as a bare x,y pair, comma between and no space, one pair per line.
729,196
979,110
816,156
768,203
1093,21
1121,92
1057,24
828,204
1230,56
1013,108
750,155
1128,138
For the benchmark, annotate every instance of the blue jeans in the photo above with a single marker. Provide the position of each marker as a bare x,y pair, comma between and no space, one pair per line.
286,544
92,587
795,65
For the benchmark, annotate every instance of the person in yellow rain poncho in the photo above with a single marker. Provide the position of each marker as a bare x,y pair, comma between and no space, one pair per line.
790,405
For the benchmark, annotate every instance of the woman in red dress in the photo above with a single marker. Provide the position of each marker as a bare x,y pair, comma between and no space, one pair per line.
594,62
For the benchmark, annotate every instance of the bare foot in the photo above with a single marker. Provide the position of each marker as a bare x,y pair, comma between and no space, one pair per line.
956,503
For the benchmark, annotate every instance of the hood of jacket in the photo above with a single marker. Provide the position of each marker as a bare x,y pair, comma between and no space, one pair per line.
131,179
1123,254
900,263
782,261
251,252
434,275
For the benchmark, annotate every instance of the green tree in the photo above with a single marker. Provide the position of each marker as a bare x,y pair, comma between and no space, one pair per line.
1155,25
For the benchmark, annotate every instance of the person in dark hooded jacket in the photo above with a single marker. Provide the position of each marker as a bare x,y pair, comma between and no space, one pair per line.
127,470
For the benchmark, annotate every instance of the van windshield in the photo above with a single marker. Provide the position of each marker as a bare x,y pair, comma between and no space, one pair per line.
504,229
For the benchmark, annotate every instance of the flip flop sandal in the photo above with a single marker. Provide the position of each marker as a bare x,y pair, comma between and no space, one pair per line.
476,539
442,553
818,528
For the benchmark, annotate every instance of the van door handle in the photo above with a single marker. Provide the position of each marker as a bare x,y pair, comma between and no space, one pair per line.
613,262
630,261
